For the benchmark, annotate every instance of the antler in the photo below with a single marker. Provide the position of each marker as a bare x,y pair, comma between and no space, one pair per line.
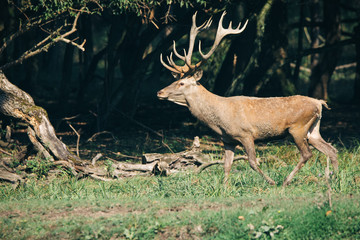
188,67
220,34
182,70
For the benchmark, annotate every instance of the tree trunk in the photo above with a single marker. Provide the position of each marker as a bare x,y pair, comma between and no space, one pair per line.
315,31
18,104
252,72
270,75
357,76
300,43
237,57
322,72
89,76
66,76
356,98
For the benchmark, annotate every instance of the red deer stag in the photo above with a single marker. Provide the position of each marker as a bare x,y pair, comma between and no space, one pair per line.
242,119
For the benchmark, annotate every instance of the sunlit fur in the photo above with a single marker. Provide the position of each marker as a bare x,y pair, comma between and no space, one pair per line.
242,120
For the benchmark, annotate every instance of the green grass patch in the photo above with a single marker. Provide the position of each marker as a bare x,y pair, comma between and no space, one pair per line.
189,205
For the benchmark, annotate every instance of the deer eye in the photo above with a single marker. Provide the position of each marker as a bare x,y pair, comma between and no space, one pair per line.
181,84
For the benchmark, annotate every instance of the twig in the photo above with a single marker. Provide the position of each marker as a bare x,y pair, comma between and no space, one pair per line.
97,3
97,157
81,46
166,145
19,9
206,165
5,152
341,142
43,45
77,141
96,177
125,156
99,133
65,119
21,31
168,17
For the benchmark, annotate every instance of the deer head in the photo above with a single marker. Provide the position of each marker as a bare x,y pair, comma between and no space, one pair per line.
189,74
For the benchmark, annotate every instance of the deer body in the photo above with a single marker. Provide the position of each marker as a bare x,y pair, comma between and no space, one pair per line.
242,120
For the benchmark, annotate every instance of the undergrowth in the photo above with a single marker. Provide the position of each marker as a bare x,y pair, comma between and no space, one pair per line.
189,205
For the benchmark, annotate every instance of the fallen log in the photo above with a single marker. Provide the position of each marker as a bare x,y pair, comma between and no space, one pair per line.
193,159
9,175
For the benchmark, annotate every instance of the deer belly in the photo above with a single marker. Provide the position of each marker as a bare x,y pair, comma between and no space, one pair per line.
266,130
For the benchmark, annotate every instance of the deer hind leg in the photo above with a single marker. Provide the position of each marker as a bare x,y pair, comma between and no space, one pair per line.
299,136
320,144
228,160
250,150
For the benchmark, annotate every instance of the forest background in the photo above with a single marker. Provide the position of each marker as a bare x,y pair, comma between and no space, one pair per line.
86,72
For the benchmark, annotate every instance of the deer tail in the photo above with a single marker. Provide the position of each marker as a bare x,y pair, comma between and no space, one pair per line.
324,104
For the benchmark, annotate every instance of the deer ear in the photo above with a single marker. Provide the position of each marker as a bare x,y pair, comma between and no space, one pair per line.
198,75
176,75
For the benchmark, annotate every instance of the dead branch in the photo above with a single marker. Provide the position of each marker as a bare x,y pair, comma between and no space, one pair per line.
92,138
125,156
65,119
96,177
97,157
44,44
5,152
308,70
9,175
77,141
221,162
21,31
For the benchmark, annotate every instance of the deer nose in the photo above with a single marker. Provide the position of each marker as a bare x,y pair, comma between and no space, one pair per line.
160,95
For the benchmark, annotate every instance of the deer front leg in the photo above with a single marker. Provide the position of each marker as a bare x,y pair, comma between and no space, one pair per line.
228,160
249,146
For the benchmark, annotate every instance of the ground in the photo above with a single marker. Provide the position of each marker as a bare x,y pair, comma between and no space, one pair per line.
189,205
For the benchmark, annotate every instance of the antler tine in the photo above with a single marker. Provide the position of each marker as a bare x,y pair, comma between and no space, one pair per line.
176,52
243,28
171,60
173,64
193,33
220,34
205,25
172,69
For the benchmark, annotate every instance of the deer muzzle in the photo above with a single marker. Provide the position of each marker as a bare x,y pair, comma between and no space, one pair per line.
161,95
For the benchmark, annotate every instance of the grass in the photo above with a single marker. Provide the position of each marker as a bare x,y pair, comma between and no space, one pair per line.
193,206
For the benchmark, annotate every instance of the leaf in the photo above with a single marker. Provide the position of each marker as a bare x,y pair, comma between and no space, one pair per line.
265,229
279,227
251,227
257,235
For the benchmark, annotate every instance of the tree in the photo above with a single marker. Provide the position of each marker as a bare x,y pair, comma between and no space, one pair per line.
321,73
51,22
18,104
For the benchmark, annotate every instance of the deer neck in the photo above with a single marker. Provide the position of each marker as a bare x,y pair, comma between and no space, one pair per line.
204,105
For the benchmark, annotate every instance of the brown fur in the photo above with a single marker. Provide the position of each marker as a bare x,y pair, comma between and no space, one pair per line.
243,119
